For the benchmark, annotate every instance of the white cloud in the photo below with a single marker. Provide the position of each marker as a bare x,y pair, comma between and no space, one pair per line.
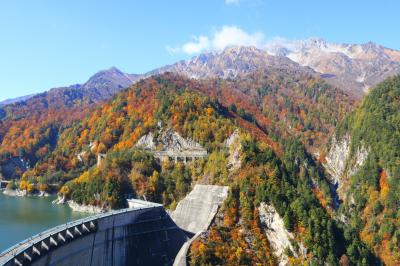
281,42
199,44
231,36
225,37
230,2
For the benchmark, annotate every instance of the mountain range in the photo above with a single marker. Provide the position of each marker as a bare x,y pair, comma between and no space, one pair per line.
353,68
304,133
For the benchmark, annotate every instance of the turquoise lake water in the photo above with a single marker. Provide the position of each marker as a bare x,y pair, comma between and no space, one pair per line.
22,217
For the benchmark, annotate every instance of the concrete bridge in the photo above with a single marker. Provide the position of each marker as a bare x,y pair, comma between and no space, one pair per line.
144,235
183,156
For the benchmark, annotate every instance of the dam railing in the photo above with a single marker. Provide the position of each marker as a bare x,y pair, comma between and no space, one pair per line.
53,237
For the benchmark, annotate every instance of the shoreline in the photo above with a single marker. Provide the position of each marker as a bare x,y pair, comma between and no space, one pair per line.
79,207
85,208
23,193
82,208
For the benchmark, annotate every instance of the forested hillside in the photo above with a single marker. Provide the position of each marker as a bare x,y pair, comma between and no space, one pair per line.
280,120
284,103
372,190
273,168
224,139
30,126
29,129
238,239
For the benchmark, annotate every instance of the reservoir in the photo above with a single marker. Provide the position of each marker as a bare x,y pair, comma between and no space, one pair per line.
23,217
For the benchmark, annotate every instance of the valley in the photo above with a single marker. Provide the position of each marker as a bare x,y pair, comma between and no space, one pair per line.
309,155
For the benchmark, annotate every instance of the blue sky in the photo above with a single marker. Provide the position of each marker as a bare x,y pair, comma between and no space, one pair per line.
45,44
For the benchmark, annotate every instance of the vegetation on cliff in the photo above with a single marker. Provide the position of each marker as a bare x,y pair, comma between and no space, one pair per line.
286,184
373,199
96,161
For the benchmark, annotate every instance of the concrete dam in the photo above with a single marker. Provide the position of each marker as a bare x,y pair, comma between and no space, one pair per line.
144,234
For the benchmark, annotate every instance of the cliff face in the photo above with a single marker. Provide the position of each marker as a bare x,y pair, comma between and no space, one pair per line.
353,67
279,238
364,161
235,147
336,159
170,143
231,63
341,165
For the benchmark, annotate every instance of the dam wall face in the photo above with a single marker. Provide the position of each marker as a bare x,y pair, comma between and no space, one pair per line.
145,236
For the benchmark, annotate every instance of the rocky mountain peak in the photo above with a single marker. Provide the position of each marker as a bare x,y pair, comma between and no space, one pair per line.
241,50
353,67
111,75
230,63
107,82
371,46
314,43
114,69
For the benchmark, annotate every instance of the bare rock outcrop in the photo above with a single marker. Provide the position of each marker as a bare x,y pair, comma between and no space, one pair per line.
353,67
360,157
15,192
341,164
274,227
235,147
337,158
85,208
147,142
59,200
169,143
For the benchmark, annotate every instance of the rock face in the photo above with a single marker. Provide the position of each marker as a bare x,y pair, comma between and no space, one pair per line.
106,83
169,143
171,140
353,67
341,165
24,193
337,158
15,193
147,142
231,63
59,200
79,207
278,236
235,147
85,208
